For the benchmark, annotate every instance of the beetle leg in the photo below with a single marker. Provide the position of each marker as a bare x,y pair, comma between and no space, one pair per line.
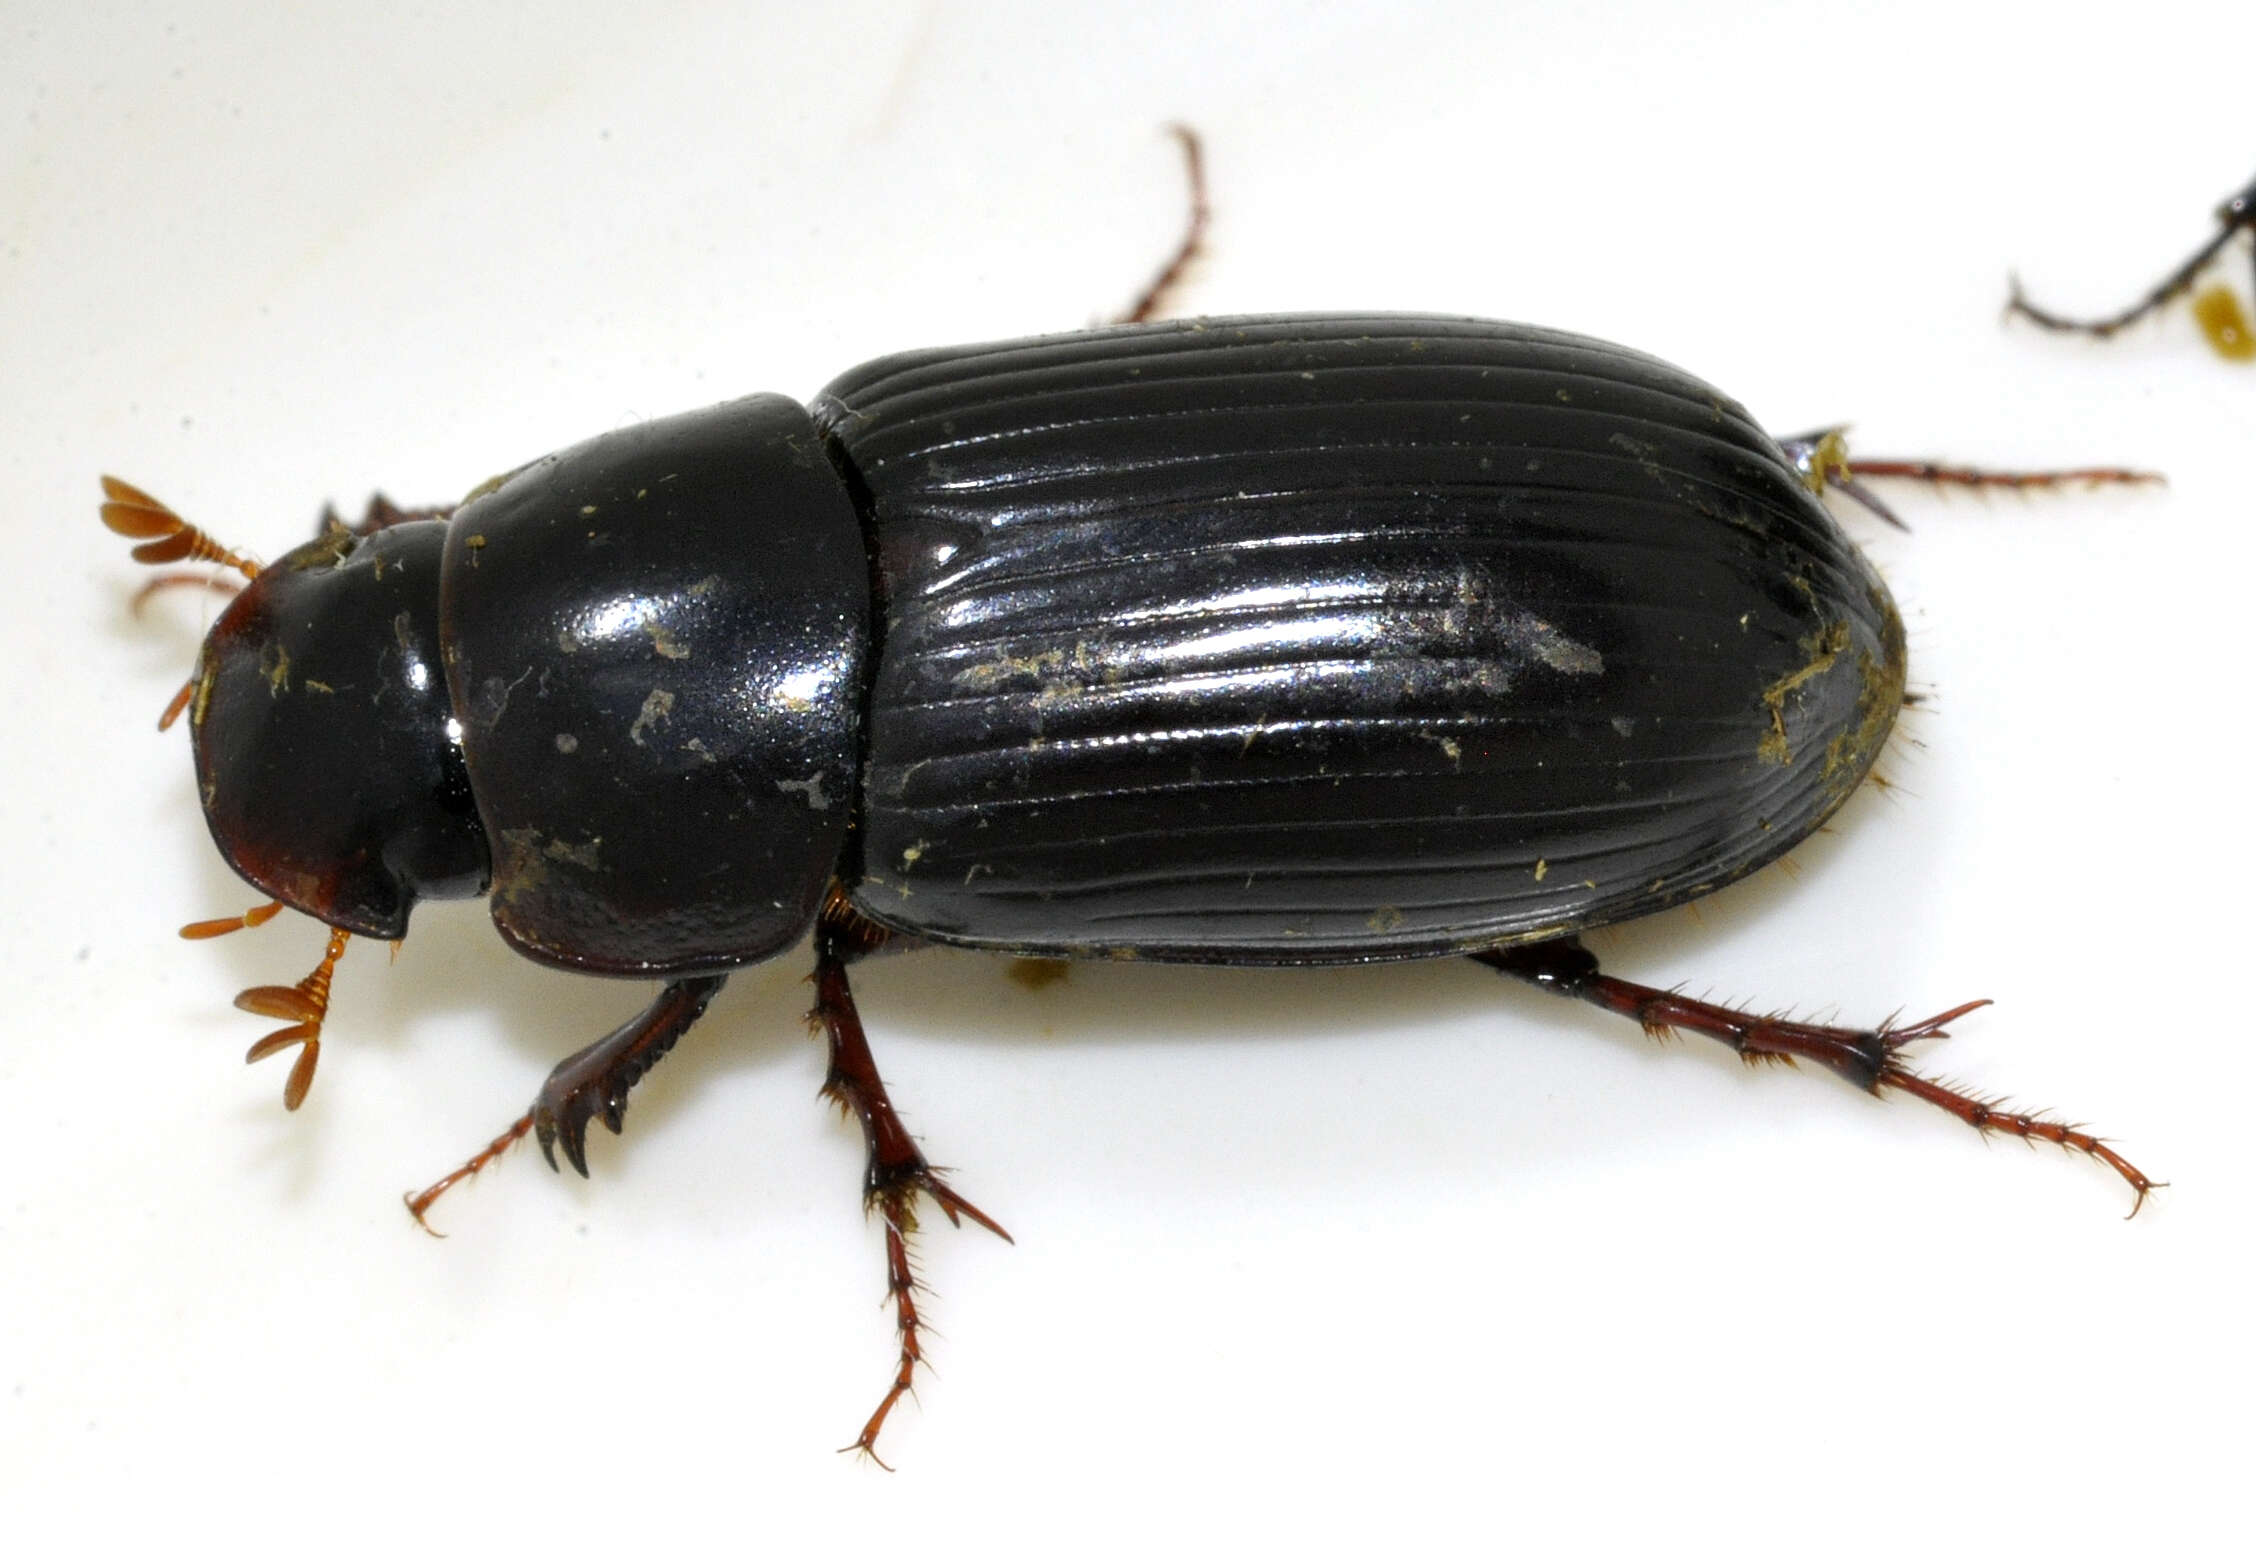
419,1202
2236,214
597,1080
1870,1058
1152,304
593,1082
1822,458
897,1171
1928,472
2017,303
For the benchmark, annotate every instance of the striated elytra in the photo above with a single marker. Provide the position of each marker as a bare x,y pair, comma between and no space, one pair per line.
1326,639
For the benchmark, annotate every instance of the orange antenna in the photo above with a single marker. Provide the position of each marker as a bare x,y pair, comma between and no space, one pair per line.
251,919
170,537
303,1005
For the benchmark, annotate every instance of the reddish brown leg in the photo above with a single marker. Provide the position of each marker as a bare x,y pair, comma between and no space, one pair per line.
1153,303
593,1083
1872,1059
419,1202
1926,472
897,1171
597,1080
1822,458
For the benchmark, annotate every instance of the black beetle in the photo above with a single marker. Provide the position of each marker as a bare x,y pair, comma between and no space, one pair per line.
1274,640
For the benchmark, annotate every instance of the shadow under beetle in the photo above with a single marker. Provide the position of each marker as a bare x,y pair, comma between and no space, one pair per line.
1273,640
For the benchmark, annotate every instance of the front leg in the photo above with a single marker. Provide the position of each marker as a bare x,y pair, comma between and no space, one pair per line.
593,1082
597,1080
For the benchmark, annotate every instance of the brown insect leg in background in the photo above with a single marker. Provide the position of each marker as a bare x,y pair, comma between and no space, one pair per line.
897,1172
1152,304
1872,1059
2236,214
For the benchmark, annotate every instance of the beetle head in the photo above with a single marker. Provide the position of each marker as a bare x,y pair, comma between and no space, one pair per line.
328,757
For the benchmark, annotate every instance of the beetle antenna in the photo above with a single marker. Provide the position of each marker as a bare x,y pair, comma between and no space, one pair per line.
250,919
167,537
175,707
135,513
303,1005
2018,480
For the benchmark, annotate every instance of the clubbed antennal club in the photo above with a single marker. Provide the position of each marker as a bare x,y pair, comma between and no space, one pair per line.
134,513
303,1005
168,538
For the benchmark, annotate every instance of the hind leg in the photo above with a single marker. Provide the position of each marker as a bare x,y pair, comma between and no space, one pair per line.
1870,1058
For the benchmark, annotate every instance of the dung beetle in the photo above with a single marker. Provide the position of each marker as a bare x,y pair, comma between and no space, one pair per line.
2216,309
1276,640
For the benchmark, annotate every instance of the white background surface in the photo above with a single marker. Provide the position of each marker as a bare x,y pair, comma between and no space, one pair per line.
1406,1260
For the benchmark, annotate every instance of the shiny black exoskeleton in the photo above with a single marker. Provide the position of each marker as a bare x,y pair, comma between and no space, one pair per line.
1305,639
1294,639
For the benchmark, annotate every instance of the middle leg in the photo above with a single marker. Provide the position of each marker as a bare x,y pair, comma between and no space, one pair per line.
898,1171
